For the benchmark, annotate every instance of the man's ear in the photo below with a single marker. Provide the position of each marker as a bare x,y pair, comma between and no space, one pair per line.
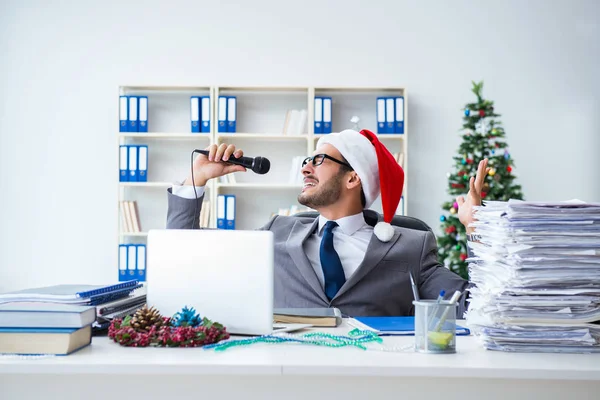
353,180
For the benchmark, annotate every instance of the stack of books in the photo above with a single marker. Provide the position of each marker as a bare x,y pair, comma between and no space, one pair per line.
60,319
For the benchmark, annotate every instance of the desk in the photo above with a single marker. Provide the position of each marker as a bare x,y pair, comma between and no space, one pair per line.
106,370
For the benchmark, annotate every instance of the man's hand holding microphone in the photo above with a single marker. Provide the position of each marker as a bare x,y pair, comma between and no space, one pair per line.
223,159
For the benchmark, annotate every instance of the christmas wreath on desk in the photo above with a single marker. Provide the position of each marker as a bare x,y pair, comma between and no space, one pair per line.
147,327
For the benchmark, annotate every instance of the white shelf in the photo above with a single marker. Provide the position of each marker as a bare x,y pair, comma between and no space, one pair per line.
146,184
258,186
134,234
274,136
163,135
392,136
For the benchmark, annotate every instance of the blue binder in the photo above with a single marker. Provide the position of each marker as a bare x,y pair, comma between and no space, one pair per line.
143,113
326,114
395,326
230,211
390,114
141,262
221,211
142,163
318,115
132,163
231,114
123,114
133,114
123,263
123,154
131,261
381,115
399,127
205,114
195,113
222,111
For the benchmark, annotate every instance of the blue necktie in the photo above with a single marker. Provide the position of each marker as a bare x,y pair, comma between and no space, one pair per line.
330,262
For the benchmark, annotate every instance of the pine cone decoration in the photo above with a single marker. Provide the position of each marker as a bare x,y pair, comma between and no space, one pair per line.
145,318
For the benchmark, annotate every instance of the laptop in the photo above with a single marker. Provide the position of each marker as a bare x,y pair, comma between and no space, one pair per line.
226,275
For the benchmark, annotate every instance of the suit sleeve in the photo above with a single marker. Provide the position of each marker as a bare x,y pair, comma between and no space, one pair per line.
434,277
180,212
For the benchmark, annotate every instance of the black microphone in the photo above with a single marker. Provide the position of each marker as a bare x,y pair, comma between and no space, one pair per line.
259,165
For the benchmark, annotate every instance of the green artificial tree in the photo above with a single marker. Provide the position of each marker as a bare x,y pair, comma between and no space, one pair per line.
483,137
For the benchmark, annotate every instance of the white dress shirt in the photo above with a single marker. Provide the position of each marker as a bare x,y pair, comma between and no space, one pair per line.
187,191
350,238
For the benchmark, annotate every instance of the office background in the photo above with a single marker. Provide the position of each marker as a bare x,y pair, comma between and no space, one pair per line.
61,64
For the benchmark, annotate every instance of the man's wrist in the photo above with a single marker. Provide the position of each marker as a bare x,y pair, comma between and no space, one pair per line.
197,182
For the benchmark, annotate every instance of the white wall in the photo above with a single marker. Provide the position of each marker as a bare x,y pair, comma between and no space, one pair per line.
61,63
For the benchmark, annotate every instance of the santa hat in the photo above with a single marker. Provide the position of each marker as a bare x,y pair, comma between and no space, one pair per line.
378,170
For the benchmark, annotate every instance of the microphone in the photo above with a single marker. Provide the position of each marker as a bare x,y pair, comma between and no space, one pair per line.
259,165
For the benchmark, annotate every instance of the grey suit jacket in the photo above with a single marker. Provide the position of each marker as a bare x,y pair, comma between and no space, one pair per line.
379,287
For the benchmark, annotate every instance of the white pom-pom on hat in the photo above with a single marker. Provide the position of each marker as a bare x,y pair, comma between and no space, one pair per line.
378,170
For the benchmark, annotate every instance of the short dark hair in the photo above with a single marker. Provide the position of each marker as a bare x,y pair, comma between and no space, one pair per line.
343,170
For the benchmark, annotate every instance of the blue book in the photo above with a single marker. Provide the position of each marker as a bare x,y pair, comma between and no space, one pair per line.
45,315
65,293
393,326
58,341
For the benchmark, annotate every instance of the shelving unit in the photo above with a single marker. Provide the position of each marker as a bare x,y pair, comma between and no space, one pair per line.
261,115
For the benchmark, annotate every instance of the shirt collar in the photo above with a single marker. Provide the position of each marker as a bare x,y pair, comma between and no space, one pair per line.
349,225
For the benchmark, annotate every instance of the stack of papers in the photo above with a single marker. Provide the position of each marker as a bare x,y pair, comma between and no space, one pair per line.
537,276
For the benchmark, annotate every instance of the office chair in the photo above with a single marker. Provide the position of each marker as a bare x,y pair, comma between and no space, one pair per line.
398,220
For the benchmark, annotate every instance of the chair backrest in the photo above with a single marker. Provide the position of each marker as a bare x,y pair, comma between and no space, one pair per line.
398,220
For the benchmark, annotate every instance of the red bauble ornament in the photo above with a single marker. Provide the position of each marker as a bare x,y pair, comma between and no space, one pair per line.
509,168
463,256
483,194
482,113
457,185
451,229
469,161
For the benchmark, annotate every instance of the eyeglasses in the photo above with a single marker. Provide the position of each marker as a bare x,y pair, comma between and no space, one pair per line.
318,159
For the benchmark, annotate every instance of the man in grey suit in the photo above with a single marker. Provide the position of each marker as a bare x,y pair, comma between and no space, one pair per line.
347,257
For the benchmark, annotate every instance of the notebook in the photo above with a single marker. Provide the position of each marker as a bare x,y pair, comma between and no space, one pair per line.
45,315
325,317
393,326
66,292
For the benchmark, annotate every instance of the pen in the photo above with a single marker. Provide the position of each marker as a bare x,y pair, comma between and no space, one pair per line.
453,300
414,287
435,309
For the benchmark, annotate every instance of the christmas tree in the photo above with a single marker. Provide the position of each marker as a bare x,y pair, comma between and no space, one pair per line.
483,137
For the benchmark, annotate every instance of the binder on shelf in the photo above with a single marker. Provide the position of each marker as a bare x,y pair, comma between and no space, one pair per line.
133,114
141,262
221,211
205,114
123,263
123,114
143,113
143,163
318,115
399,123
326,114
134,217
195,113
132,161
126,224
231,114
123,177
381,115
230,211
222,110
390,115
131,261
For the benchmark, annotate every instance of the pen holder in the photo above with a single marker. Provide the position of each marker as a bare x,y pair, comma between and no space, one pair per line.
435,326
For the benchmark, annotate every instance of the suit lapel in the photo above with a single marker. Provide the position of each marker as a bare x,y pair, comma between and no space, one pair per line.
376,250
296,239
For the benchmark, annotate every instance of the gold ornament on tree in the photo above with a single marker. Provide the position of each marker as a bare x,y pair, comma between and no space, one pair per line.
145,318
